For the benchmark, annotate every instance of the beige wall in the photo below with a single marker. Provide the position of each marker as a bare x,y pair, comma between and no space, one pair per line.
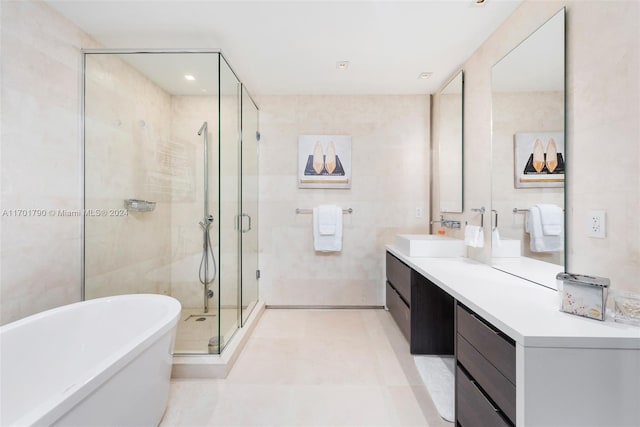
390,161
603,130
41,158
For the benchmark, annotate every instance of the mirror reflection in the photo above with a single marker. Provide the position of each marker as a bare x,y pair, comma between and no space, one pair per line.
528,154
450,145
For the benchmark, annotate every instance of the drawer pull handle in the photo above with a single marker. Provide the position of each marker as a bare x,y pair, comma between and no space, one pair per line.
484,397
484,324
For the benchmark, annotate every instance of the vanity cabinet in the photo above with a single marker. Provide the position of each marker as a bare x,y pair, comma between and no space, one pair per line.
398,294
563,361
423,311
485,372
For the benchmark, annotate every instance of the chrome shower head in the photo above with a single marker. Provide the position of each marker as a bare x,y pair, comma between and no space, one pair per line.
202,128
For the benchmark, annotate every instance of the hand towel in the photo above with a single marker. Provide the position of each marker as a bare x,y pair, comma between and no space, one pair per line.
327,243
540,242
552,219
495,238
474,236
327,219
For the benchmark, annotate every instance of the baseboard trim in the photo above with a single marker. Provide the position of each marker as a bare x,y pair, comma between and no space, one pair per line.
324,307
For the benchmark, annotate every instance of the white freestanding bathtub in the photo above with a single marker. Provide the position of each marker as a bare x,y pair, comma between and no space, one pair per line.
100,362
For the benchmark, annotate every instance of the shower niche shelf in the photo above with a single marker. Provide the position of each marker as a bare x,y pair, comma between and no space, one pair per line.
136,205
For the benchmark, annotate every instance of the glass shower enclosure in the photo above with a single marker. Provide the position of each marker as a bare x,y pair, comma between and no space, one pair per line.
171,187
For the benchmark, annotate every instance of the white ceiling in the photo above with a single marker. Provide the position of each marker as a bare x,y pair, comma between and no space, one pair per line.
291,47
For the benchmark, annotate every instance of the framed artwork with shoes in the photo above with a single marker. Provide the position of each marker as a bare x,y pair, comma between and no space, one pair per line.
324,161
539,159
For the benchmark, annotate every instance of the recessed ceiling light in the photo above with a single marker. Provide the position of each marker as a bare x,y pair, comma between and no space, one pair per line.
342,65
425,75
189,77
479,2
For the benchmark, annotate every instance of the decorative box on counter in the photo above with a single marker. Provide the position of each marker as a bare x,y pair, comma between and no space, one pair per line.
583,295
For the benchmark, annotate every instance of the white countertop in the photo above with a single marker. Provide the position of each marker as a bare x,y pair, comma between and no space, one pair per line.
525,311
535,270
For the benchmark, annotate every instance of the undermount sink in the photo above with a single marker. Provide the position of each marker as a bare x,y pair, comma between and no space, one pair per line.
430,245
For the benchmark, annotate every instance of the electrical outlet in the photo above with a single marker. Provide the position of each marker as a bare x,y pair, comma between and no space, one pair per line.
597,224
418,212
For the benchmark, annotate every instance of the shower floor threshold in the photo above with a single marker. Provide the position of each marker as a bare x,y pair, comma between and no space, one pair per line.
216,365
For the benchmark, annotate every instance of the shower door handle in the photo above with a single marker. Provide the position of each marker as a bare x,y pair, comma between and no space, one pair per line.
242,220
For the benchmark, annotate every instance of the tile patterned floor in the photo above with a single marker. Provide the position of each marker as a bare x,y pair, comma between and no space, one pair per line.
312,368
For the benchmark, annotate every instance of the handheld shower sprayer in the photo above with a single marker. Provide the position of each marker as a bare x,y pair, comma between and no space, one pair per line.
208,257
206,222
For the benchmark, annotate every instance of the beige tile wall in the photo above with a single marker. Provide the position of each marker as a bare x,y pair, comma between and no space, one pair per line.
187,115
390,160
127,131
41,158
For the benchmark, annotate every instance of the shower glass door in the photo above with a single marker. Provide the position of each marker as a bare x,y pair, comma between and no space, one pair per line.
249,224
229,224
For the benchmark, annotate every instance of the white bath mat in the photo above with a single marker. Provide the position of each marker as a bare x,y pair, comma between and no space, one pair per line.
437,375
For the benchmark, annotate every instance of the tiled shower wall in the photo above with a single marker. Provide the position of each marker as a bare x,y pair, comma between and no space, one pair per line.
127,134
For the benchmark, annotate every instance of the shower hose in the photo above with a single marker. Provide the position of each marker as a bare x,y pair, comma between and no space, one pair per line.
207,252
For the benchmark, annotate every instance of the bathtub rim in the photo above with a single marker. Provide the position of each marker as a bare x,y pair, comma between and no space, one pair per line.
58,404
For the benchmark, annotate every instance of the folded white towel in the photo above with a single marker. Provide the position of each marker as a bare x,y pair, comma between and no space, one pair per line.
327,243
327,219
539,241
474,236
552,219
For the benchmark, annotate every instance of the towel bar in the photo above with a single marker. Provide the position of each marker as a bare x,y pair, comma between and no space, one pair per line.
307,210
481,210
519,210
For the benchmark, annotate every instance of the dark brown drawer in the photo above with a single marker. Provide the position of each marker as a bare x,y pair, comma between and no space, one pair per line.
400,277
399,311
497,386
499,350
472,407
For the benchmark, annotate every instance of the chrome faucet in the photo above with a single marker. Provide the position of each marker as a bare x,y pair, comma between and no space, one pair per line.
447,223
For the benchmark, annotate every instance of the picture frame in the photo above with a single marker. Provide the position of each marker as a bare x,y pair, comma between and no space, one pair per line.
324,161
539,159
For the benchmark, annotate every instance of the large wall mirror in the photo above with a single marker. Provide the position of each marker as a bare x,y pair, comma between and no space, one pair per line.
450,145
528,156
